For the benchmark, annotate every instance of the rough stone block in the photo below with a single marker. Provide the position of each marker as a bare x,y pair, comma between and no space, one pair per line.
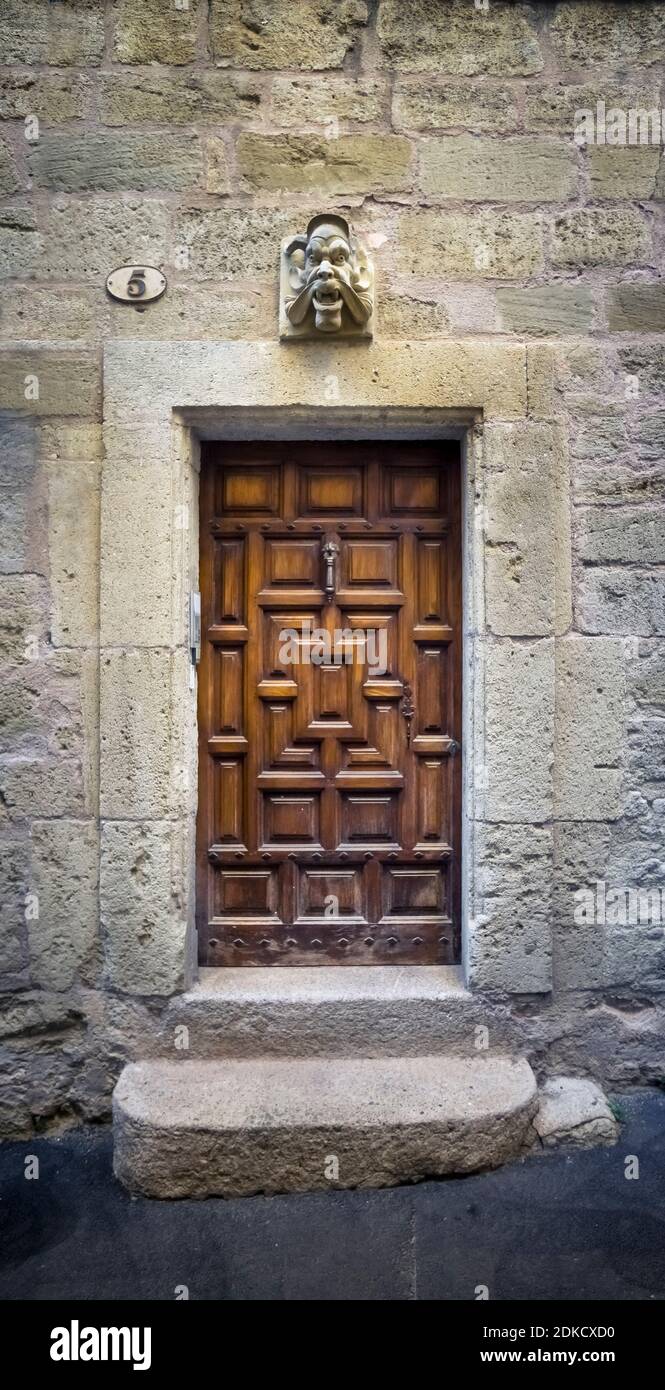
588,35
70,32
459,39
511,931
600,236
137,567
230,242
73,540
42,787
405,316
527,558
198,311
9,179
458,245
621,601
135,743
242,37
261,1125
647,362
35,313
85,237
64,938
154,33
47,382
423,105
21,509
524,169
167,98
590,693
306,101
20,241
547,310
598,430
636,307
623,173
109,162
519,731
142,922
574,1111
553,107
306,164
51,97
15,878
621,535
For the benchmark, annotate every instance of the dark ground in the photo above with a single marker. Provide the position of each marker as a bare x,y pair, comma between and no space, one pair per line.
562,1226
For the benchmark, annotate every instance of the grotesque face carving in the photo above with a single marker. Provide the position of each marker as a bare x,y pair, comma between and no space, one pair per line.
326,281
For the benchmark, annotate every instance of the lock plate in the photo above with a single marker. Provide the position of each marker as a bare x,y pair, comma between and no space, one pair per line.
136,284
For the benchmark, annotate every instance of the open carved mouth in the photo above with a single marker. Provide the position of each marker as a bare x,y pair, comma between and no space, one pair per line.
326,297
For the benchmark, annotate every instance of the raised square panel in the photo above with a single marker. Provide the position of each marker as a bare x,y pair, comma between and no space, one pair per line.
371,563
290,818
293,562
247,893
327,894
413,491
230,607
369,818
251,489
229,672
326,492
228,801
414,892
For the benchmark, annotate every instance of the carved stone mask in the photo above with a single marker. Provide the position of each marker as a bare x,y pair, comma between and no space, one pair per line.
327,282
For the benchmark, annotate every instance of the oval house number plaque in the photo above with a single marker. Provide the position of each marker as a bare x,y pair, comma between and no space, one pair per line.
136,284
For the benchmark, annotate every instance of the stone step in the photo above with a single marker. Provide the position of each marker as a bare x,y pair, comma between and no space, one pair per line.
235,1127
328,1012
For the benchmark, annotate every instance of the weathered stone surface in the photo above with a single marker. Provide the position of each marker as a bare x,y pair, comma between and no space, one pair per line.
647,675
510,937
198,311
51,97
20,241
70,32
14,954
600,236
142,926
621,535
523,169
73,540
519,732
228,243
154,33
405,316
647,363
554,107
64,940
457,38
623,173
135,751
305,101
599,430
610,34
237,1127
301,164
217,178
458,245
241,36
110,162
621,601
9,179
590,691
651,435
573,1111
174,98
50,383
527,558
546,310
327,1012
21,514
423,105
28,311
636,306
135,600
86,237
42,787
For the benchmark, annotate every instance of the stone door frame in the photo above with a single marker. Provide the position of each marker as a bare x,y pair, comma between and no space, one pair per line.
160,399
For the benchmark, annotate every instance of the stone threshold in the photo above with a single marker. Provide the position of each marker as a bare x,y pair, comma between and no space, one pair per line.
325,983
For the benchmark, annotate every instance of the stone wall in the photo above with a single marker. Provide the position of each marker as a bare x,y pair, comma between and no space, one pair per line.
194,135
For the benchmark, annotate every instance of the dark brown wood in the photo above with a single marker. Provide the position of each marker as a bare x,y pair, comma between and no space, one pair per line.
329,821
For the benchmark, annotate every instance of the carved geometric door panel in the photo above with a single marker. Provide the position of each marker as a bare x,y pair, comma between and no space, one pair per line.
329,704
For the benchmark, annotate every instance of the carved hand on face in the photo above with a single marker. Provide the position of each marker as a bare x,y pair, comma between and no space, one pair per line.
327,276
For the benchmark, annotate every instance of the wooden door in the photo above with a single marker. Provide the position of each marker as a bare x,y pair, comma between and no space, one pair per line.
330,704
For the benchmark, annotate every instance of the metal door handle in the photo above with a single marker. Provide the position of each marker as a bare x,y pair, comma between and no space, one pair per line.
329,551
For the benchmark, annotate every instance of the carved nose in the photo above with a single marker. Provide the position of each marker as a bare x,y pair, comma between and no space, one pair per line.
326,271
